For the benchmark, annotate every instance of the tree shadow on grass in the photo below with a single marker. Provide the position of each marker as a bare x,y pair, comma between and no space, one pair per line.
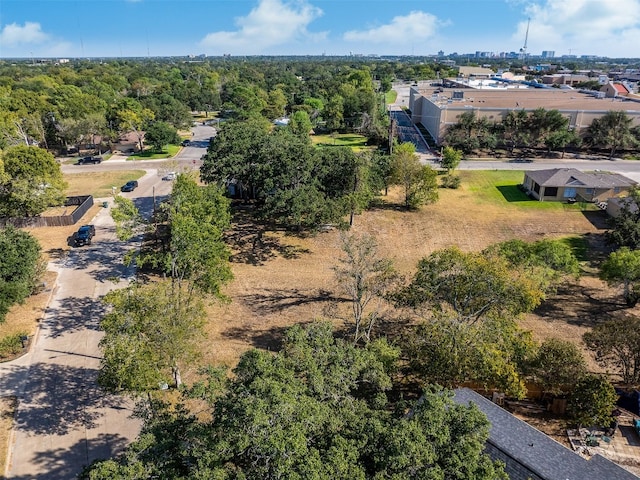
512,193
271,301
269,339
252,243
580,305
597,218
66,463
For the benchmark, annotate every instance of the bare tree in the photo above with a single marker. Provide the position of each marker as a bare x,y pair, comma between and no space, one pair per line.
365,278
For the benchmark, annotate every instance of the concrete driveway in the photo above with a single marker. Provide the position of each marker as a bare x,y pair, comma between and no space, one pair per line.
64,421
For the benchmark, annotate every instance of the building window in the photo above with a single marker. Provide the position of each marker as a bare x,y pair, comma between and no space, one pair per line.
616,189
569,192
536,188
590,191
551,192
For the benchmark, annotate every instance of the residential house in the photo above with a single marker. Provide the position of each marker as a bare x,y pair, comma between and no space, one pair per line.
570,185
529,454
613,90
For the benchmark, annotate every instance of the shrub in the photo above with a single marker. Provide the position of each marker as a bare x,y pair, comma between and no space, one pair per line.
11,344
451,181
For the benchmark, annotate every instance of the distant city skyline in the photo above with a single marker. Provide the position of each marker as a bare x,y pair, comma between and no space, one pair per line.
140,28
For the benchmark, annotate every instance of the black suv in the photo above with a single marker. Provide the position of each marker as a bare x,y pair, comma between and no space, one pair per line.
84,235
88,160
130,186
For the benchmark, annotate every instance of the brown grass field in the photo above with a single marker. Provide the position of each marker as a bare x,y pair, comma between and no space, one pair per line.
283,279
286,279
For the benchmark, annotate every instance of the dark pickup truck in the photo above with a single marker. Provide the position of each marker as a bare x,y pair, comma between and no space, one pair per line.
84,235
88,160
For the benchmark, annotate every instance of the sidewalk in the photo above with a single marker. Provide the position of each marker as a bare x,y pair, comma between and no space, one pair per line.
64,421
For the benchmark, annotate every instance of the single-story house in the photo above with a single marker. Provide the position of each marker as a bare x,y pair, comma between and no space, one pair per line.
529,454
570,184
613,90
615,206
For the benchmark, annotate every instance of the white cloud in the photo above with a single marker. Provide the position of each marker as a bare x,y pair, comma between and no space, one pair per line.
601,27
270,23
402,29
29,33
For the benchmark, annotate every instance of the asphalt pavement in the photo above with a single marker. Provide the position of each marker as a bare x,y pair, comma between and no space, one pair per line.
64,420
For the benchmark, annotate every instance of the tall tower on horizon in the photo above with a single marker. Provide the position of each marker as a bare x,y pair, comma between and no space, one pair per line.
523,50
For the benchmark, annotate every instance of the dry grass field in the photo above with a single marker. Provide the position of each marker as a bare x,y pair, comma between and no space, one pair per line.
286,279
282,279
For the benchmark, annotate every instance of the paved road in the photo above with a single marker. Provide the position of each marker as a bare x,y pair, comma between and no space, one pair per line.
64,421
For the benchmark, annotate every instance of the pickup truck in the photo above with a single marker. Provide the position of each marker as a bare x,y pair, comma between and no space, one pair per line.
84,235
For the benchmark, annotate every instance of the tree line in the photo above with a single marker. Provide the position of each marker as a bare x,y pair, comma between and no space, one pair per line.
294,184
60,106
542,129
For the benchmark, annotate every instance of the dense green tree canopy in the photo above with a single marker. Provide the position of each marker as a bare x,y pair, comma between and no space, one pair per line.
495,353
612,131
161,134
548,262
32,182
592,401
622,267
558,366
292,182
472,286
20,267
418,181
317,409
151,333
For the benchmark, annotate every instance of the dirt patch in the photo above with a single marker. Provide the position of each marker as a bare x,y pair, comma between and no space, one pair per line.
8,407
552,425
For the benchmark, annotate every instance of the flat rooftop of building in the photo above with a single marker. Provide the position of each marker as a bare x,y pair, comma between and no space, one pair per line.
527,98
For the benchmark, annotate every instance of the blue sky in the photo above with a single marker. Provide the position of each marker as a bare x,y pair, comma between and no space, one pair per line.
114,28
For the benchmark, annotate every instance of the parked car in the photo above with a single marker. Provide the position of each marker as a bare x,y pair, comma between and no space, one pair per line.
84,235
130,186
170,176
186,143
88,160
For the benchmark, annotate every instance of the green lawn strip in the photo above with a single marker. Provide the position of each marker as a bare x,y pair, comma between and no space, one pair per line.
501,187
153,155
99,184
578,245
390,96
356,142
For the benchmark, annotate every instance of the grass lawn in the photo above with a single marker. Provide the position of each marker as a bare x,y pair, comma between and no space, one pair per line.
501,186
356,142
99,184
153,155
390,96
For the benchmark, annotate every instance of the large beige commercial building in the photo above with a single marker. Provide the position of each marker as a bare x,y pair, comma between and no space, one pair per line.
436,108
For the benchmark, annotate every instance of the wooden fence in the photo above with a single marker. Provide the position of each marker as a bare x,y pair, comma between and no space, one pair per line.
82,203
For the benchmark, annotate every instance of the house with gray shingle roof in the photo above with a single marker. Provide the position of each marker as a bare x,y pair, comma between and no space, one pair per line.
530,454
570,185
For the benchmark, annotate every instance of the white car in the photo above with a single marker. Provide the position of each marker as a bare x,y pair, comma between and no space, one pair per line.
170,176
